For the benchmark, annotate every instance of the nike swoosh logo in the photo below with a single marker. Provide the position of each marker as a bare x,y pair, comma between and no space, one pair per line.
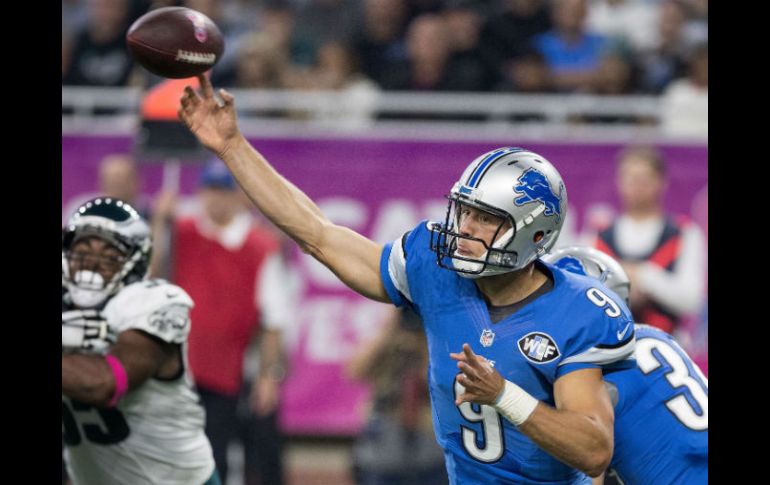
623,333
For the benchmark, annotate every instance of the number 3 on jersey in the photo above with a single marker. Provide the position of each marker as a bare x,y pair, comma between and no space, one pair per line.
652,354
487,446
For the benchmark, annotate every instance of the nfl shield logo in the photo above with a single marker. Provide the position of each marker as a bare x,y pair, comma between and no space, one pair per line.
487,337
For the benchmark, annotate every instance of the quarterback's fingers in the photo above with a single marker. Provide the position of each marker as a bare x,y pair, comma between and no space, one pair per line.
226,97
206,89
468,371
192,96
466,382
459,356
469,355
465,397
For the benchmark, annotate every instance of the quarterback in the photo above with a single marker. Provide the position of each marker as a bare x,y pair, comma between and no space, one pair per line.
516,347
130,413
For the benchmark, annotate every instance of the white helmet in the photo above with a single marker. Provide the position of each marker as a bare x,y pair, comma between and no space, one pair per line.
588,261
117,223
523,189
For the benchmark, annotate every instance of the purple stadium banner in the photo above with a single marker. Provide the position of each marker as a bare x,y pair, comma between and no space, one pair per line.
382,188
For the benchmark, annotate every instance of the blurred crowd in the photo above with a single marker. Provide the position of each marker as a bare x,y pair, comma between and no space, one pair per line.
606,47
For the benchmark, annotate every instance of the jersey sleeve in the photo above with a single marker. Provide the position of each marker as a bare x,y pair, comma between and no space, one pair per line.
604,338
156,307
393,268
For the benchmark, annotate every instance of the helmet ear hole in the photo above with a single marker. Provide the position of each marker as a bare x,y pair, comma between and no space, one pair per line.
538,236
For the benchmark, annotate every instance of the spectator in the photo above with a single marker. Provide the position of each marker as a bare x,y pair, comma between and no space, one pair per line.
319,22
74,15
379,41
262,64
686,101
276,22
233,269
663,255
464,20
258,402
696,27
527,73
509,35
573,54
430,66
99,56
337,70
397,446
667,60
630,22
616,74
119,178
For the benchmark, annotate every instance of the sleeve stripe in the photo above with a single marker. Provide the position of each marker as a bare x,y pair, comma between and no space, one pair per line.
602,356
396,297
403,243
617,345
397,268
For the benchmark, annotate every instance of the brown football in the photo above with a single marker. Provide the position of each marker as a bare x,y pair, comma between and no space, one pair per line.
175,42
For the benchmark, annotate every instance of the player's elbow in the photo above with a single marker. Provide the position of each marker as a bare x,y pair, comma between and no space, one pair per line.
96,391
597,462
311,241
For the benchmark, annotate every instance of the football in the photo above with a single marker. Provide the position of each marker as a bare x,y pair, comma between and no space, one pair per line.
175,42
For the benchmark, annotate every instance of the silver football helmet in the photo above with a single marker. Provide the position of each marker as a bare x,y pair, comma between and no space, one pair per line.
588,261
117,223
523,189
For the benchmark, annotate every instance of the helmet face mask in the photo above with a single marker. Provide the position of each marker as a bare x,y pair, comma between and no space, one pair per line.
524,191
445,237
93,271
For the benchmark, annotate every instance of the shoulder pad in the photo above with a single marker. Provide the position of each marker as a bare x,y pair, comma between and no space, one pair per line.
154,306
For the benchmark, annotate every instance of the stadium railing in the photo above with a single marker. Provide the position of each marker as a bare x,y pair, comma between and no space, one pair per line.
399,114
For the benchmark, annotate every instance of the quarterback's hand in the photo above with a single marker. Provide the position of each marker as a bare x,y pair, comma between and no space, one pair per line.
481,381
85,330
211,120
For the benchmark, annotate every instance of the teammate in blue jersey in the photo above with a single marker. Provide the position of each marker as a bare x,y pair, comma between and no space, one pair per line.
661,407
517,347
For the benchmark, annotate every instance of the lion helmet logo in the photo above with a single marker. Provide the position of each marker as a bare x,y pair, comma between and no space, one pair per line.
571,264
534,187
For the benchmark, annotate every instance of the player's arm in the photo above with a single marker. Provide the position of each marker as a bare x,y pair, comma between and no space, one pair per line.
578,431
352,257
93,380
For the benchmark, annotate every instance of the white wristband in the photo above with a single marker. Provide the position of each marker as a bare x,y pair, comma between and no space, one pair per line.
514,403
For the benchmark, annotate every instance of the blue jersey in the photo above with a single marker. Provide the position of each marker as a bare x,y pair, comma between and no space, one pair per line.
661,417
575,325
